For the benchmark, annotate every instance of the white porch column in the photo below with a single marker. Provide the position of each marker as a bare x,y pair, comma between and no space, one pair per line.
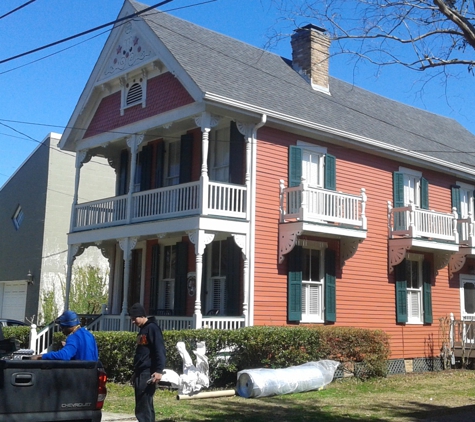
133,143
126,244
241,242
73,252
200,239
205,121
82,157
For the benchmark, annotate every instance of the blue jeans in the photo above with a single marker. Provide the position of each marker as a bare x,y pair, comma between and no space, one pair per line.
144,411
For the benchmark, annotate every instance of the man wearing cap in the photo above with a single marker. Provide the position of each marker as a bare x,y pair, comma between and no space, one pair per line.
149,362
80,343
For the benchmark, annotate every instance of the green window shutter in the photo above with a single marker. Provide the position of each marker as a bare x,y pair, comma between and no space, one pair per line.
456,198
294,280
330,172
398,189
186,155
154,278
237,160
295,166
427,291
146,156
424,194
122,187
401,292
330,286
181,271
233,278
159,159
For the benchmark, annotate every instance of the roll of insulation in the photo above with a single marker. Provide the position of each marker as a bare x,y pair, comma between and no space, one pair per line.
264,382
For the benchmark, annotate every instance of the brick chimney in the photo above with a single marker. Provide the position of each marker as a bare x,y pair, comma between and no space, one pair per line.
310,54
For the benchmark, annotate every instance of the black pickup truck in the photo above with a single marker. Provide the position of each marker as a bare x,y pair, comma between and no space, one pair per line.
47,391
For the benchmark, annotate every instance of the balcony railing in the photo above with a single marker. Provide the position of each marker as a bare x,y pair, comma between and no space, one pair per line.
465,228
320,205
414,222
195,198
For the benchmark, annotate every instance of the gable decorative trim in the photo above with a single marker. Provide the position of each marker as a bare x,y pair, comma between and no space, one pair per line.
131,51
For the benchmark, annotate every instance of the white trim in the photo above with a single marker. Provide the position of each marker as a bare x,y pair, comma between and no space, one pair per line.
412,172
465,278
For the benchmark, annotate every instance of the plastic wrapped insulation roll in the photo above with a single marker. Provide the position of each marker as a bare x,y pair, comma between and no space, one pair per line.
264,382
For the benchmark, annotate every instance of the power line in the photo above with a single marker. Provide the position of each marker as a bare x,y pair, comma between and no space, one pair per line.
17,9
86,32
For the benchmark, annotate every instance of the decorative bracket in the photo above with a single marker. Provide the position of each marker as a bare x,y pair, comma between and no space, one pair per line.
127,247
397,252
240,240
348,248
200,239
456,262
441,260
288,235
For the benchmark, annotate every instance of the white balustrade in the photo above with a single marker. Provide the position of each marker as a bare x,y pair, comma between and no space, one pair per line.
322,205
101,213
224,199
416,223
223,323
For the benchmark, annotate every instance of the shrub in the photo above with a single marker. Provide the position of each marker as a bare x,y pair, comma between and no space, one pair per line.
255,347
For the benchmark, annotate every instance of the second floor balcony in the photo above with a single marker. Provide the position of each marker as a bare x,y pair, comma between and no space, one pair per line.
323,207
195,198
423,228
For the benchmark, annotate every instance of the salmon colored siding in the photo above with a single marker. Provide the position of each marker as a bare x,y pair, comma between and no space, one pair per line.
364,288
164,93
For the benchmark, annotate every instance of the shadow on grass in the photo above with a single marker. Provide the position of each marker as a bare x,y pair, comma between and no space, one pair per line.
274,409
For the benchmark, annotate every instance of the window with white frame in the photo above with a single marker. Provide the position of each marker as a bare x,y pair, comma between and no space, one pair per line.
167,282
17,217
312,284
219,155
414,288
217,291
312,164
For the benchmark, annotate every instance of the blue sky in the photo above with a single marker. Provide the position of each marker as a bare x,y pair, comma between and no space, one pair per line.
39,91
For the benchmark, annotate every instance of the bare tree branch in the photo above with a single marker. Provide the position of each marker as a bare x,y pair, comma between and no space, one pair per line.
441,33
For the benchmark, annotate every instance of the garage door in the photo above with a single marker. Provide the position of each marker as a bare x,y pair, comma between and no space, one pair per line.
14,301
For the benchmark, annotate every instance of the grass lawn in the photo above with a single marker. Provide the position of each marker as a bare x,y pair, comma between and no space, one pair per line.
402,398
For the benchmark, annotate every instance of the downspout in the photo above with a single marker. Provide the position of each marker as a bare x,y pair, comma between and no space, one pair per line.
252,229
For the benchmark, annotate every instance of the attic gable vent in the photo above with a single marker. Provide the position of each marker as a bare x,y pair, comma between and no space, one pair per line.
133,91
134,95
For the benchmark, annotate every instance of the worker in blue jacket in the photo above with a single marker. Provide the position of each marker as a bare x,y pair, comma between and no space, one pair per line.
80,343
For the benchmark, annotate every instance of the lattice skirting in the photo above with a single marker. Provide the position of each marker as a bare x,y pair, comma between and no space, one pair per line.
404,366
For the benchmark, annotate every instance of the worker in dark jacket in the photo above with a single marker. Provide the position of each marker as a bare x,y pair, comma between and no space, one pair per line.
80,343
149,362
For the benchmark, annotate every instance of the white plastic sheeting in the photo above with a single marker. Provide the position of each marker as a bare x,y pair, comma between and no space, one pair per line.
264,382
194,377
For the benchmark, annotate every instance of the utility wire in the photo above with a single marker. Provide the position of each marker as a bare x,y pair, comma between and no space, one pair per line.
86,32
18,8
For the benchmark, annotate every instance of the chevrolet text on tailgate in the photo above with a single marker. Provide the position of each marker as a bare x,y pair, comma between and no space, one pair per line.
49,390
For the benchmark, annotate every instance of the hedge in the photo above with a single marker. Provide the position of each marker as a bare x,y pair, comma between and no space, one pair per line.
230,351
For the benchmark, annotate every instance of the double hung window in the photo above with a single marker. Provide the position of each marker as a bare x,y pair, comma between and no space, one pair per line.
413,281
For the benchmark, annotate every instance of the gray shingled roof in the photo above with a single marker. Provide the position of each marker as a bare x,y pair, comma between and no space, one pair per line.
230,68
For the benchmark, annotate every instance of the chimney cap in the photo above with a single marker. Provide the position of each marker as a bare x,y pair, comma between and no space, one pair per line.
311,26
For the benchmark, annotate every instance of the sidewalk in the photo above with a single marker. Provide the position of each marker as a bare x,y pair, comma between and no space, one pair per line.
112,417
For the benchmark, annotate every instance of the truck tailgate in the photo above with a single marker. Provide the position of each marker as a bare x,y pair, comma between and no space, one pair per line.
35,390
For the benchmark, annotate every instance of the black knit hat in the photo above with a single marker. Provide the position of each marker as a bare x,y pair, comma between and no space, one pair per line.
137,310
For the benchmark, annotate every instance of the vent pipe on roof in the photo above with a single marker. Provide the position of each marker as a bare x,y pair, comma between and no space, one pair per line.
310,55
